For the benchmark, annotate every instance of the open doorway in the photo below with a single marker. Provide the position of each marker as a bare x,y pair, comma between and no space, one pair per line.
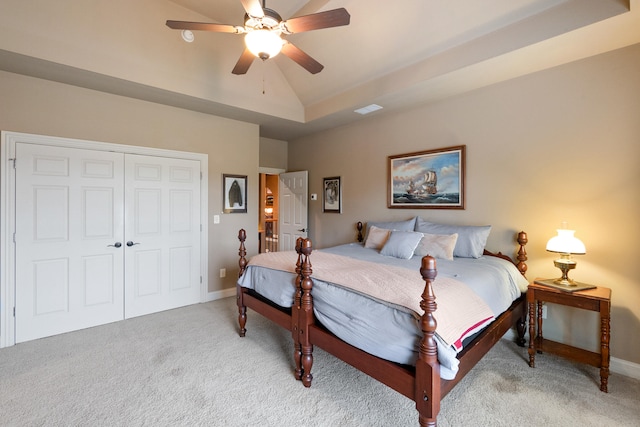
268,213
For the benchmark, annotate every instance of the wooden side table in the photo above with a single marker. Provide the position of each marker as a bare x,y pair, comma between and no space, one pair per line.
598,299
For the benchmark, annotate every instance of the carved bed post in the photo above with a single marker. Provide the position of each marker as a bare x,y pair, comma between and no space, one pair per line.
522,253
306,314
522,267
359,227
295,313
427,392
242,263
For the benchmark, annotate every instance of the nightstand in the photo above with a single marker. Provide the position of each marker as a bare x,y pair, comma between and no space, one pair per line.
598,299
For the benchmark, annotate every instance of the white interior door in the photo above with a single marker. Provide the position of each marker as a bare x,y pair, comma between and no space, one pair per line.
293,215
162,202
69,239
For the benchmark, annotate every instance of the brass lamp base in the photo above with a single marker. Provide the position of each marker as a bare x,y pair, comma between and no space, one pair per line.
565,282
564,264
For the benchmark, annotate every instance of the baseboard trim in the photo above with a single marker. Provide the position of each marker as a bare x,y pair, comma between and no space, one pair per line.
215,295
616,366
624,367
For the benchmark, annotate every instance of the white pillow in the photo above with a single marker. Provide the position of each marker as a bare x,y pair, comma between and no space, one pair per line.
471,239
437,245
401,244
376,238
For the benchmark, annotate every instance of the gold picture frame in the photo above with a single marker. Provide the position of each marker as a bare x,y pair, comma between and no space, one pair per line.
432,179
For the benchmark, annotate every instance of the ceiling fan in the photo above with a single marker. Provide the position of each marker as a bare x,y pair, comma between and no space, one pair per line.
263,29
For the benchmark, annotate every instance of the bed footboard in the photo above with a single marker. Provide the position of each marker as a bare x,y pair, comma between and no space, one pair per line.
421,385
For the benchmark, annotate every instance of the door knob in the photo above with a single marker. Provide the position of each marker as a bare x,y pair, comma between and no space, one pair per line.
130,243
303,230
115,245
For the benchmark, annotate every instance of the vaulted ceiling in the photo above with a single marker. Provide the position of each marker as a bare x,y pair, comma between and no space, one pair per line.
394,54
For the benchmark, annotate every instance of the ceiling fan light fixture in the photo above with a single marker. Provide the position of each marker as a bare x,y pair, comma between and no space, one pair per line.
264,44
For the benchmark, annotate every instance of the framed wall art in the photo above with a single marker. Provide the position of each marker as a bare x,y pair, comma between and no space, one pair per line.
332,195
234,193
431,179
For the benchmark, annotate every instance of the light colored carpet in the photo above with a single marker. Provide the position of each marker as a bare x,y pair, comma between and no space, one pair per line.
188,367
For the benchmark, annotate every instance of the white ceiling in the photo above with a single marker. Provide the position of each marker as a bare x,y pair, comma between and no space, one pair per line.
381,38
395,54
385,41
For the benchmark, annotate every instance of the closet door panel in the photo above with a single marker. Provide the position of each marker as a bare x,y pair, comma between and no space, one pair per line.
163,230
70,207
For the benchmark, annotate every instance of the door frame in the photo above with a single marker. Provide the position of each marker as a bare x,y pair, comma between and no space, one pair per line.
8,142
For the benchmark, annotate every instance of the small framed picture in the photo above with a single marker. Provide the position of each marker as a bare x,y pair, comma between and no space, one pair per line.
234,193
331,195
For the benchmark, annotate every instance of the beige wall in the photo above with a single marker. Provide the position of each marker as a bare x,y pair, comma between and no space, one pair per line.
37,106
273,153
558,145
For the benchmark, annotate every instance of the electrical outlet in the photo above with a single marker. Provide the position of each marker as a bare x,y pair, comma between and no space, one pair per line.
544,311
223,272
216,219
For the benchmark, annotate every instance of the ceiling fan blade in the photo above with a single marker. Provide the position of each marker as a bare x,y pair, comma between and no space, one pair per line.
304,60
202,26
245,61
253,8
317,21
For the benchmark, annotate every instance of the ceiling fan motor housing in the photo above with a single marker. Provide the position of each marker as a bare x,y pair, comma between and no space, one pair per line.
270,20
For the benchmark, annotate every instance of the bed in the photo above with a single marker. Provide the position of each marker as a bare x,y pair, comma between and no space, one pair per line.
425,366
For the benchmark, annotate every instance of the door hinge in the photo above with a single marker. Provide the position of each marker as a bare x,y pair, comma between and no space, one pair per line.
200,279
14,237
14,162
14,312
200,176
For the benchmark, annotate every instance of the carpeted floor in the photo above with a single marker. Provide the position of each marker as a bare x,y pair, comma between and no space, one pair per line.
188,367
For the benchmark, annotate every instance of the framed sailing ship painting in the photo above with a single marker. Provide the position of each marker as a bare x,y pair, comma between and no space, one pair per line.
431,179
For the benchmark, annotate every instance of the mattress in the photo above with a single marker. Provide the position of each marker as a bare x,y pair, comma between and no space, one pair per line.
387,331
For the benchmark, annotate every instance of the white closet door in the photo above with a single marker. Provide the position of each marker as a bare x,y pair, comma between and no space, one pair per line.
69,221
162,229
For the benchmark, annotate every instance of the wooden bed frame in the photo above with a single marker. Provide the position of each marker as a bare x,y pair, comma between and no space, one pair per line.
421,383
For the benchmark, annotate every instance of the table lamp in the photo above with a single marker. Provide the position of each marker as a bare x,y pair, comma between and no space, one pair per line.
566,244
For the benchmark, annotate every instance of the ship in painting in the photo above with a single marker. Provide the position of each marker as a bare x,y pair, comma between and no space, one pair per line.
425,188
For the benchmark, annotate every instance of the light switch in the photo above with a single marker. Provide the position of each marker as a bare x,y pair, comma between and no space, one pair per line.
216,219
314,196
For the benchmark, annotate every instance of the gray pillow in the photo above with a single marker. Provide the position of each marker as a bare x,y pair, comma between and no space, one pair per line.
401,244
471,239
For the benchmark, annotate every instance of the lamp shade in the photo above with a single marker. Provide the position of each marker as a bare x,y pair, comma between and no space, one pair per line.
566,243
264,44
